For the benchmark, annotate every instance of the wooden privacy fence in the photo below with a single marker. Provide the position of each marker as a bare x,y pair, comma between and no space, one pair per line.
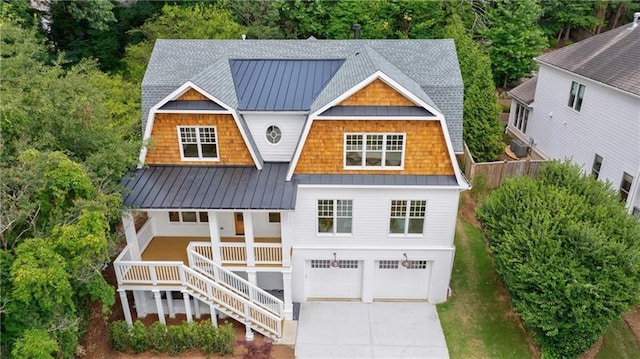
494,173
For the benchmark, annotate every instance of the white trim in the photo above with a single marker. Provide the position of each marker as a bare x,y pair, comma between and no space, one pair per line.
225,210
586,78
176,94
392,247
347,186
376,118
250,112
199,112
199,144
363,152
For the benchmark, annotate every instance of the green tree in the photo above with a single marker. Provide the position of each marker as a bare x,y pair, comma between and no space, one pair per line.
482,130
35,344
560,17
514,38
192,21
568,252
261,18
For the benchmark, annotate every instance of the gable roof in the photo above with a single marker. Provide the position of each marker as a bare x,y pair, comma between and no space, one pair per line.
612,58
427,68
526,91
280,85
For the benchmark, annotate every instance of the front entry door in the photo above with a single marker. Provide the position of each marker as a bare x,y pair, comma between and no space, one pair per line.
239,221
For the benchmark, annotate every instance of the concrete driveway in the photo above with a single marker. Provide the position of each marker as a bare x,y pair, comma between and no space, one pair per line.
374,330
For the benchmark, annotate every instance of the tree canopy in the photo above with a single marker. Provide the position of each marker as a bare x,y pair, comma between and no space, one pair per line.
568,252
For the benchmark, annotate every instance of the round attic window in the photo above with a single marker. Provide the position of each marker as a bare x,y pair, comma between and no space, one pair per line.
274,134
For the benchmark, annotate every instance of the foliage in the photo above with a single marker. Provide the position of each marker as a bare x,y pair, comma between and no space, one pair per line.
35,344
568,252
514,39
560,17
482,129
190,21
174,339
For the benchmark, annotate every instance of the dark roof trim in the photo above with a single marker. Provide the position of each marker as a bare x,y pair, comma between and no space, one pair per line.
210,187
378,180
378,111
199,105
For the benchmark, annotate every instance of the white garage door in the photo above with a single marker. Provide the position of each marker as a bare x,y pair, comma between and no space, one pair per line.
394,281
325,281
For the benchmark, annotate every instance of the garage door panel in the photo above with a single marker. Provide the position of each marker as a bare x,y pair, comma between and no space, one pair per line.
394,281
325,281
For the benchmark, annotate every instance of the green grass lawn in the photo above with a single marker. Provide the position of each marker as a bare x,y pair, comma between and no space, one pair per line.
477,320
619,343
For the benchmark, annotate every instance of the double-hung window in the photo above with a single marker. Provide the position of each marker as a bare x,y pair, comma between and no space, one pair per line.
407,217
625,185
373,150
576,96
198,143
335,216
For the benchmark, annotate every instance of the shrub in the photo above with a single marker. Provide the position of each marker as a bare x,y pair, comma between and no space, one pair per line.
138,337
568,252
119,336
35,344
157,337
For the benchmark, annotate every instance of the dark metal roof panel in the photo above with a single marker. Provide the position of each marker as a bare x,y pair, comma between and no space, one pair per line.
282,84
200,187
377,111
375,180
199,105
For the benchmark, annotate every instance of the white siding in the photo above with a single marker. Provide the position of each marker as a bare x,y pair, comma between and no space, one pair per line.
261,226
291,126
608,124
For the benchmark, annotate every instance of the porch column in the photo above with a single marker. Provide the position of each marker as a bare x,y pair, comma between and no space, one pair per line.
187,306
172,311
248,238
368,271
288,303
125,306
156,295
252,277
196,307
214,233
214,318
140,303
285,238
130,234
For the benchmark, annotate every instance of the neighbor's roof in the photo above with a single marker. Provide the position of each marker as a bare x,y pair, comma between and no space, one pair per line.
427,68
526,91
612,58
210,187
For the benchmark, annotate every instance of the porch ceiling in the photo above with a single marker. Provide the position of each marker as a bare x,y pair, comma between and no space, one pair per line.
210,187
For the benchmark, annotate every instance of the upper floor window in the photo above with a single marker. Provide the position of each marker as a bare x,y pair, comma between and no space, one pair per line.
625,185
188,217
576,95
521,117
373,150
597,164
198,142
335,216
274,134
407,217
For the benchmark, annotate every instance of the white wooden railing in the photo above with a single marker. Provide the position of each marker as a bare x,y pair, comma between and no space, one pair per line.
249,291
145,234
230,301
236,253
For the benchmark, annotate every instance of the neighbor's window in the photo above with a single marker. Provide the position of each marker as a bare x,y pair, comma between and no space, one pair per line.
188,217
373,150
521,117
597,164
335,216
625,185
407,217
576,96
198,143
274,217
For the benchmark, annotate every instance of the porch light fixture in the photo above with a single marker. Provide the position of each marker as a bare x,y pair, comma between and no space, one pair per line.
405,263
335,263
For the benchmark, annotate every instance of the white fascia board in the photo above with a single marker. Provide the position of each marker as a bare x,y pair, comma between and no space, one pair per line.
249,112
364,249
462,182
376,75
176,94
199,112
357,186
376,118
585,78
210,210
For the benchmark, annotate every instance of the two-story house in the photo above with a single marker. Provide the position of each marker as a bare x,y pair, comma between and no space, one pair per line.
584,105
276,172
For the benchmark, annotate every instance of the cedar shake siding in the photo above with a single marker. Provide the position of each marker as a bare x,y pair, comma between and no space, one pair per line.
377,93
164,146
425,147
192,95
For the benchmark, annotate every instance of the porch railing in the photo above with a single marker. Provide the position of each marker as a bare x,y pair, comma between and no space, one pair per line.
231,301
236,253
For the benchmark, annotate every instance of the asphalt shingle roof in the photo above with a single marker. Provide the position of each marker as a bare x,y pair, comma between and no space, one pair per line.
526,91
612,58
428,68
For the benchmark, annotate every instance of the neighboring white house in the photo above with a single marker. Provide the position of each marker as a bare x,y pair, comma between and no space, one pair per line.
584,105
287,171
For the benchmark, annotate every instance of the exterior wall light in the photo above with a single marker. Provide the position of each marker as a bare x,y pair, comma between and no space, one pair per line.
335,263
405,263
